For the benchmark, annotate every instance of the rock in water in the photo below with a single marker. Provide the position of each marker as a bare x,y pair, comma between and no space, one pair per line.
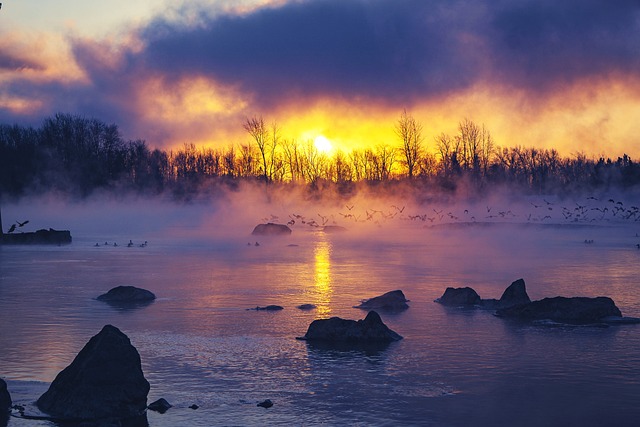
266,403
456,297
105,380
268,308
515,294
161,405
575,310
335,329
5,400
271,229
127,295
393,300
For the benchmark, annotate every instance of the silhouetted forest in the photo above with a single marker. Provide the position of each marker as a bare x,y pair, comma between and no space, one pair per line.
78,156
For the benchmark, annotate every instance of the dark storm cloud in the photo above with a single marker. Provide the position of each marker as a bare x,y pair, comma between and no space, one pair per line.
373,49
393,52
398,50
549,42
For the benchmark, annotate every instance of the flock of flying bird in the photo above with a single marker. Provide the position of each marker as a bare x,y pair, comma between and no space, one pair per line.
543,210
532,210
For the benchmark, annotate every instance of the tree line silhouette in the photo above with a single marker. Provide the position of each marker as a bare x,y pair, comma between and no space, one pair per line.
78,155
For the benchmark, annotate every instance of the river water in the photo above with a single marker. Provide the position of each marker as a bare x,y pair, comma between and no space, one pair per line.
200,345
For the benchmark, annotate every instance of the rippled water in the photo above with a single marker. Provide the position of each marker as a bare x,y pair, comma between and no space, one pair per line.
199,343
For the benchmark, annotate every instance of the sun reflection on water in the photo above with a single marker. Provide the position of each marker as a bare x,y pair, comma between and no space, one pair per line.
322,277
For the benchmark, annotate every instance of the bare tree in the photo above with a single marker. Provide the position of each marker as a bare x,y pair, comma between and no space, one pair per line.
256,128
469,136
444,145
410,133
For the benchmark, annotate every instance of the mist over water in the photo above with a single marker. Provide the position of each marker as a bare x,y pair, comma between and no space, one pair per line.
199,343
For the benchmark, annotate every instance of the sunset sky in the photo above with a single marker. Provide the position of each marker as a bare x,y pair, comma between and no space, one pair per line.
544,73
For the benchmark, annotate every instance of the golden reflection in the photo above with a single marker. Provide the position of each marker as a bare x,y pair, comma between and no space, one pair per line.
323,286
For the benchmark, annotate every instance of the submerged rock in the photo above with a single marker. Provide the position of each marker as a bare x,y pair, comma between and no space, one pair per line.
160,405
271,229
459,297
127,295
394,300
515,294
267,308
105,380
575,310
335,329
307,306
267,403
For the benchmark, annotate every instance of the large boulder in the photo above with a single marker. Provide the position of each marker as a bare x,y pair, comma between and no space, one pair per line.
5,399
271,229
104,381
127,295
575,310
459,297
335,329
392,301
515,294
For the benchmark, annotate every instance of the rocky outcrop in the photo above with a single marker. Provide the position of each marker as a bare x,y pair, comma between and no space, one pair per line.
459,297
104,381
335,329
391,301
5,399
515,294
271,229
127,295
575,310
40,237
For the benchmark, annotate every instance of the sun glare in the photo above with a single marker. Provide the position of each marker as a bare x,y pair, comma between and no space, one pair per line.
323,144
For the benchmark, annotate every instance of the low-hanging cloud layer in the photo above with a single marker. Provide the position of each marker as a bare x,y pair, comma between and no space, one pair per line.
538,72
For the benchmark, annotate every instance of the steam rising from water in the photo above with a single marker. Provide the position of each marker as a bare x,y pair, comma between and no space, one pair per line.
396,214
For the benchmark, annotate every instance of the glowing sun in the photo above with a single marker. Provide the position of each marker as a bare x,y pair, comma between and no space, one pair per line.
323,144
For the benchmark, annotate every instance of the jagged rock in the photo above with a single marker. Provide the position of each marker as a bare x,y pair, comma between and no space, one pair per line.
515,294
267,403
160,405
105,380
122,295
575,310
271,229
267,308
5,399
394,300
307,306
335,329
459,297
